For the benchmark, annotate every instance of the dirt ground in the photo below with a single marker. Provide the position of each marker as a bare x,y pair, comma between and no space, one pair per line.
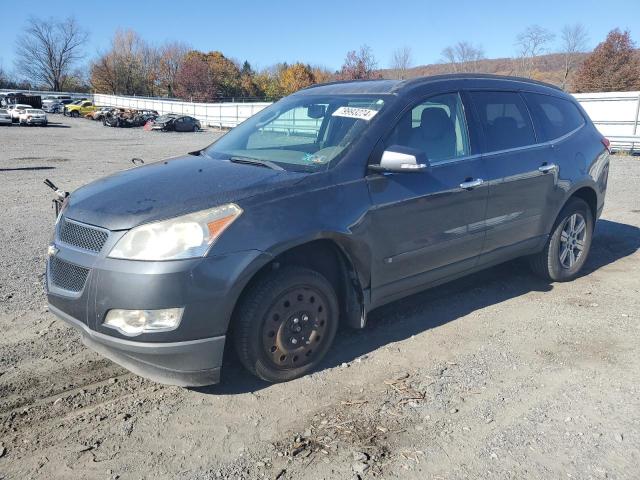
499,375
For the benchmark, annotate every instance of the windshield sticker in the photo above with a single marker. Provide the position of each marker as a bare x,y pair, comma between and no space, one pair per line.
353,112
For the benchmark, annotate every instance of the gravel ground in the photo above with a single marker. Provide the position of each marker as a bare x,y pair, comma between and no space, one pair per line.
498,375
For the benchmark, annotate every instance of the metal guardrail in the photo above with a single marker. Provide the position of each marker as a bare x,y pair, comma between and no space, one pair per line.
629,143
616,115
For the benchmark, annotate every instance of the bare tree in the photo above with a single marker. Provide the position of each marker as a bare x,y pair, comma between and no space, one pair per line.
531,44
574,40
172,56
463,57
401,62
48,49
360,65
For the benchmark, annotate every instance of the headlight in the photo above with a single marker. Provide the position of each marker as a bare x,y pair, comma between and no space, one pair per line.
188,236
135,322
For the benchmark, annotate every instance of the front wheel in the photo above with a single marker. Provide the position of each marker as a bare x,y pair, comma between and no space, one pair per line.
75,114
286,323
567,248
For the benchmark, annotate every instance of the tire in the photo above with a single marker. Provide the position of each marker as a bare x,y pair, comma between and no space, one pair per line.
195,128
285,324
75,114
559,261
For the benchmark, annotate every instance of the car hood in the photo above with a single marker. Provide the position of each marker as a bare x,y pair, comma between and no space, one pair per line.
171,188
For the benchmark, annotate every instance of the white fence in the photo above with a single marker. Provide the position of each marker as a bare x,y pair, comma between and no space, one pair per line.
222,115
617,116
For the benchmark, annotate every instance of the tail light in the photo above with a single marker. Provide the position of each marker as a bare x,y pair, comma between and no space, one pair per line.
607,144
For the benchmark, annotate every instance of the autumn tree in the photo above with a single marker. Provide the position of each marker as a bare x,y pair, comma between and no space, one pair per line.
48,50
532,43
463,57
193,79
359,65
248,85
321,74
401,62
207,77
295,77
613,66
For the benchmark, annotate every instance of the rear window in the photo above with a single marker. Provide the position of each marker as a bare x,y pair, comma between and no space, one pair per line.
554,116
505,120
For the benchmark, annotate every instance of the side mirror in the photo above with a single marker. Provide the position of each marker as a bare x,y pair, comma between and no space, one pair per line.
400,159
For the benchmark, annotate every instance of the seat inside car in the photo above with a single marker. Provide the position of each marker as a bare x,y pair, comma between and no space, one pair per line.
436,134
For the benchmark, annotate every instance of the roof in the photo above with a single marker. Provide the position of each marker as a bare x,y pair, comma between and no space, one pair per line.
352,86
398,86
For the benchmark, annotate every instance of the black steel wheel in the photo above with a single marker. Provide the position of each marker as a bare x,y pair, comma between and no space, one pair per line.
568,245
286,323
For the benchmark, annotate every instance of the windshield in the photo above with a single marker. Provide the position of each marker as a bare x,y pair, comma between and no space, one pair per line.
301,133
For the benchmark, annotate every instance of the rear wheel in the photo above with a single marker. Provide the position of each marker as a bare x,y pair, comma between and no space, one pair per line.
286,323
567,248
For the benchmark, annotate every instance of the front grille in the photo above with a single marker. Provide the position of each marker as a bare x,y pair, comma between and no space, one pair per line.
66,275
81,236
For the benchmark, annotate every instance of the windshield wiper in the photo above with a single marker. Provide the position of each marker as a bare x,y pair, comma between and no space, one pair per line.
255,161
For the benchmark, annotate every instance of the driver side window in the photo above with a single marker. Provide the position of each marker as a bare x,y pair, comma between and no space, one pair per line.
436,127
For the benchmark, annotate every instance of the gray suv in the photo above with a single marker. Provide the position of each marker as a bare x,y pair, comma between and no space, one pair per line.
322,207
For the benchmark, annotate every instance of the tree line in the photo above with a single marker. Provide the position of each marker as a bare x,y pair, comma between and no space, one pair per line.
50,55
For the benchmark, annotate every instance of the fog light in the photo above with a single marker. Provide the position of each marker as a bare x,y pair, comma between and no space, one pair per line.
135,322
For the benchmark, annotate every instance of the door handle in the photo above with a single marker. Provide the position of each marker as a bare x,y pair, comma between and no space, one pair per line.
547,167
471,184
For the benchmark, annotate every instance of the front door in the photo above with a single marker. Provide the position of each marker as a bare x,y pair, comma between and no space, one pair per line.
427,225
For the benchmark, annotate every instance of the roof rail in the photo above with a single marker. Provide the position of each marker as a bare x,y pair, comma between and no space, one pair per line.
474,76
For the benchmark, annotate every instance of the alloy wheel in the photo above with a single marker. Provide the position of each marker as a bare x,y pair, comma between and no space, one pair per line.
572,240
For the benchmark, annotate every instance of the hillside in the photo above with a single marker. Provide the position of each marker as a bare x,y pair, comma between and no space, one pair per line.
549,68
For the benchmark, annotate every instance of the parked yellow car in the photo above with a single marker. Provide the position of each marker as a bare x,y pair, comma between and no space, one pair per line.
80,109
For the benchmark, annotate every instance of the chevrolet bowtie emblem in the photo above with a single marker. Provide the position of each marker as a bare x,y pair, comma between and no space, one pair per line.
52,250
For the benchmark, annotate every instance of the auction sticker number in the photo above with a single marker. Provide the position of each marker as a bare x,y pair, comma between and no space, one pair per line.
354,112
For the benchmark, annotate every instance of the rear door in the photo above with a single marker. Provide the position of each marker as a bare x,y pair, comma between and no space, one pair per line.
426,225
521,174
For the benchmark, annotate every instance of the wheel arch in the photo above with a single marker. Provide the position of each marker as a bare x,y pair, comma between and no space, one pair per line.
331,258
584,191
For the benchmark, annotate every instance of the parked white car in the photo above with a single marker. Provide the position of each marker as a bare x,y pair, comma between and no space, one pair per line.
5,117
14,110
33,116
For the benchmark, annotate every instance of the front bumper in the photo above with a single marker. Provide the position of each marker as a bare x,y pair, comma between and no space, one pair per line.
82,286
188,364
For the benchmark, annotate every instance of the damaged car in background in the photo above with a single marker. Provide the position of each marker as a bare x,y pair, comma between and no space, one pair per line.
176,123
127,118
100,113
